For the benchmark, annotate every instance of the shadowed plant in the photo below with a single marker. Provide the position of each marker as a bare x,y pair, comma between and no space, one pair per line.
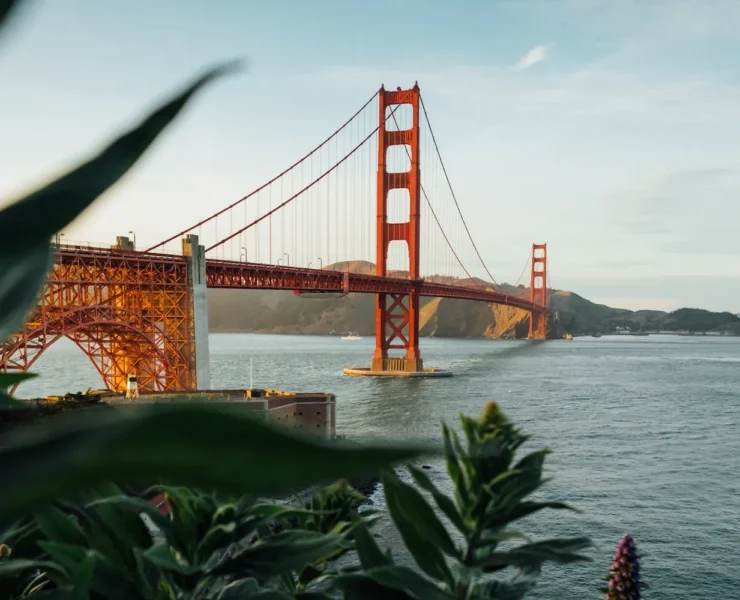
491,492
206,547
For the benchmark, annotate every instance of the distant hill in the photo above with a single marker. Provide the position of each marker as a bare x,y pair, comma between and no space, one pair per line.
269,311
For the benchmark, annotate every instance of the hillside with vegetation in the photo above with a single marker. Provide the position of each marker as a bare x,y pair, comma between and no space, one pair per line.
269,311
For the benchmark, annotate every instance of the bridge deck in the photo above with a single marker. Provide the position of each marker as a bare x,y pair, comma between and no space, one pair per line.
246,275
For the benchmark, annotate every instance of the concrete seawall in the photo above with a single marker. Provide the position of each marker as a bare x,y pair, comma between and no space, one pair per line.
310,413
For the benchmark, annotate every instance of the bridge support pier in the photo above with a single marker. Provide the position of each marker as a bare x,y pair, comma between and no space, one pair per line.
397,315
199,355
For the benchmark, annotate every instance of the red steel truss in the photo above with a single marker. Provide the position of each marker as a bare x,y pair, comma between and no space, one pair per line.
128,312
242,275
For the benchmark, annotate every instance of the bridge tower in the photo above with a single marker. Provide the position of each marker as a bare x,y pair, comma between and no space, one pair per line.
397,315
538,292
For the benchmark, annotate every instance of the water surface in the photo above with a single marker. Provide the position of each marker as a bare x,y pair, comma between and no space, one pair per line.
644,432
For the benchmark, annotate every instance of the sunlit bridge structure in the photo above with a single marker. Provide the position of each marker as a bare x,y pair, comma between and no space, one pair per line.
369,210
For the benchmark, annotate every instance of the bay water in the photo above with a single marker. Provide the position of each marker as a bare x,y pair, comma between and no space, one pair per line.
645,434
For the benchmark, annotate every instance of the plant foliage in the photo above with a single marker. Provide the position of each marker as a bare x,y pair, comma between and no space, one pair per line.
218,546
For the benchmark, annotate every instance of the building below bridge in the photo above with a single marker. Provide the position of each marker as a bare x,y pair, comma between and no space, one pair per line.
310,413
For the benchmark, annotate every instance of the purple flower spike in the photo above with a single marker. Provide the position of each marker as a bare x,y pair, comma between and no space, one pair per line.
624,575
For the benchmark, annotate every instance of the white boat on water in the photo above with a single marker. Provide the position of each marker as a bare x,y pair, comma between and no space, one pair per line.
351,336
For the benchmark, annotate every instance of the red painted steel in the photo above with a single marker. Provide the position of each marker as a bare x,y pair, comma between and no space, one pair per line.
241,275
126,311
397,315
538,292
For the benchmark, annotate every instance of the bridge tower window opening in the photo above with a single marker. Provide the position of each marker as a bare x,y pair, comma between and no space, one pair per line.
398,159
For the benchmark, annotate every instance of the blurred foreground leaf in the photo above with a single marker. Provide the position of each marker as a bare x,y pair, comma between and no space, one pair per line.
27,225
188,445
6,7
9,379
21,278
38,216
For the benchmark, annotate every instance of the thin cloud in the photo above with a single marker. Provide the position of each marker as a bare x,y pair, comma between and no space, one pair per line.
536,55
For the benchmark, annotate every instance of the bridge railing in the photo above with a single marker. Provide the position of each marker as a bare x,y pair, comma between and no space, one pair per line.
79,244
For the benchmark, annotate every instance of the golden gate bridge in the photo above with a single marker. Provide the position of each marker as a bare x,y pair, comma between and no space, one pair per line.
369,210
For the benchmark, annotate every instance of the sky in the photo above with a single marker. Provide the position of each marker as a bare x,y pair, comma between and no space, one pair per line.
609,130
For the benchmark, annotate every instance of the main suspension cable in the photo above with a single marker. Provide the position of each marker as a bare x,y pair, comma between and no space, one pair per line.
307,187
449,183
274,179
434,214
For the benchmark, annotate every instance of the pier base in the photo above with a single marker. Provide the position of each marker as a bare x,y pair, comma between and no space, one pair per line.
369,372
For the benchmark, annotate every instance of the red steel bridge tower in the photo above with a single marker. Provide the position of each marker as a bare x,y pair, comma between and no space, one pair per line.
538,292
397,315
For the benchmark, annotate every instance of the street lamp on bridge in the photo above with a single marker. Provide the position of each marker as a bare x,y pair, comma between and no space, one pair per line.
133,233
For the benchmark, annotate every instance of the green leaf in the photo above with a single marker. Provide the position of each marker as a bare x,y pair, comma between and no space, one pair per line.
281,553
496,537
529,555
21,278
40,465
362,587
417,528
82,580
515,588
161,555
445,503
367,549
6,7
9,403
66,555
521,510
407,580
18,566
137,506
239,590
59,527
454,468
10,379
424,516
37,217
109,579
524,478
36,584
268,594
218,538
